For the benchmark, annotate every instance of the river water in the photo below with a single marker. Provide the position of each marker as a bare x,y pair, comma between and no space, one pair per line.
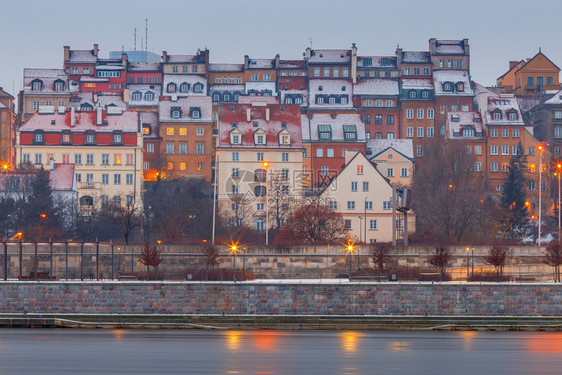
41,351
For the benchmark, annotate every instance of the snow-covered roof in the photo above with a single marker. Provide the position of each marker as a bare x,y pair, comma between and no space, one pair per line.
261,86
376,86
144,67
248,99
417,83
449,47
127,121
181,58
226,67
330,56
82,56
185,104
292,83
327,87
440,77
230,88
109,67
143,90
150,119
410,57
62,177
504,104
556,98
457,121
178,79
291,64
48,77
336,124
367,62
282,118
261,63
403,146
103,100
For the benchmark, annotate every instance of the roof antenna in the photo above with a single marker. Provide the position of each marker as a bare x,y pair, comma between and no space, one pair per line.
135,38
539,49
146,35
310,41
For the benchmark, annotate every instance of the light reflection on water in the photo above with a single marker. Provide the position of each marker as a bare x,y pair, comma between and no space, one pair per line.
278,352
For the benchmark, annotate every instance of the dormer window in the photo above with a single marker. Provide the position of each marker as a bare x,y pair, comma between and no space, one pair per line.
184,87
38,138
343,88
497,115
324,132
350,132
425,94
176,112
171,87
198,87
216,97
117,138
90,138
65,137
512,115
234,124
195,112
137,96
284,138
255,124
149,96
468,132
260,139
86,107
226,97
460,86
455,118
412,94
235,137
447,86
36,85
59,85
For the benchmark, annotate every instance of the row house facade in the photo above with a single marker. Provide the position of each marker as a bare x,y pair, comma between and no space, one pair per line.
393,158
43,87
7,130
105,147
260,152
417,115
530,77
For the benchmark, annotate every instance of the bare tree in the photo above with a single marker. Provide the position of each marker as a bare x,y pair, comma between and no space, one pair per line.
240,211
497,256
279,200
150,257
315,223
553,257
447,192
127,217
211,255
380,252
441,259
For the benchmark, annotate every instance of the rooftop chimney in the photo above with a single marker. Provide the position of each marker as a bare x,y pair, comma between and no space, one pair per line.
124,59
164,56
267,114
98,116
66,53
72,118
248,114
513,64
96,50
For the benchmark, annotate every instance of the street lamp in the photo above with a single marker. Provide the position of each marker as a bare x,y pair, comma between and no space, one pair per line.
349,250
234,250
266,165
559,168
467,263
215,196
541,149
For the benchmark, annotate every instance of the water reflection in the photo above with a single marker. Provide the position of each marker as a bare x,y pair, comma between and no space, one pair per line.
545,342
468,338
233,340
399,345
350,341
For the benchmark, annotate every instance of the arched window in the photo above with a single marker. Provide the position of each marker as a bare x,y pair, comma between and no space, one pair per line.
149,96
198,87
218,79
447,86
298,100
259,191
171,87
288,100
86,200
225,79
260,175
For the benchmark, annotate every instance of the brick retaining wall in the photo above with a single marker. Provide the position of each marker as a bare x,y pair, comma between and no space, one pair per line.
287,298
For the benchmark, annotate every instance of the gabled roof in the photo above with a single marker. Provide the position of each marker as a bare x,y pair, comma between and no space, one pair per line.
403,146
376,86
292,83
62,177
534,57
48,77
144,67
85,120
336,122
82,56
204,103
556,98
512,68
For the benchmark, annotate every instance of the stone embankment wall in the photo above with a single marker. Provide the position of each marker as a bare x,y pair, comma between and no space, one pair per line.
308,262
451,299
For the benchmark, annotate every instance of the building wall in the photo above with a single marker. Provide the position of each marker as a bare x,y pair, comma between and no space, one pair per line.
57,100
395,161
415,123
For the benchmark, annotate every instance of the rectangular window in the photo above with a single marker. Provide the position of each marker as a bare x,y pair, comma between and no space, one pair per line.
345,72
324,170
409,132
530,82
478,166
89,177
129,178
117,159
493,132
90,158
505,149
169,148
410,114
515,133
403,172
390,172
200,148
505,166
372,224
514,149
260,156
390,119
430,113
78,177
347,224
368,205
420,132
150,148
478,150
319,152
77,158
378,119
549,80
420,113
429,132
351,205
169,131
105,178
235,156
531,185
365,185
117,179
333,205
359,169
285,156
38,158
419,151
353,185
493,150
26,158
386,205
505,133
329,152
494,166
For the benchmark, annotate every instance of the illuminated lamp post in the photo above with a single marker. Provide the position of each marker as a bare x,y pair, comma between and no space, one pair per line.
559,168
215,196
266,166
234,250
467,263
349,250
541,149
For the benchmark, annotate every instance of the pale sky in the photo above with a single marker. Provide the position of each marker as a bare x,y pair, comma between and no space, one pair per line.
35,31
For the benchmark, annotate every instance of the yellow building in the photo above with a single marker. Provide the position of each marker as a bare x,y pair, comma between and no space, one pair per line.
7,130
394,159
531,77
43,87
105,146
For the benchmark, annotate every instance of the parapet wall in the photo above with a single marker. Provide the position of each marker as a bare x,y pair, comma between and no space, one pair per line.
294,298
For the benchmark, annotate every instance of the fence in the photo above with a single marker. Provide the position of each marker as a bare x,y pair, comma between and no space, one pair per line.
103,261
